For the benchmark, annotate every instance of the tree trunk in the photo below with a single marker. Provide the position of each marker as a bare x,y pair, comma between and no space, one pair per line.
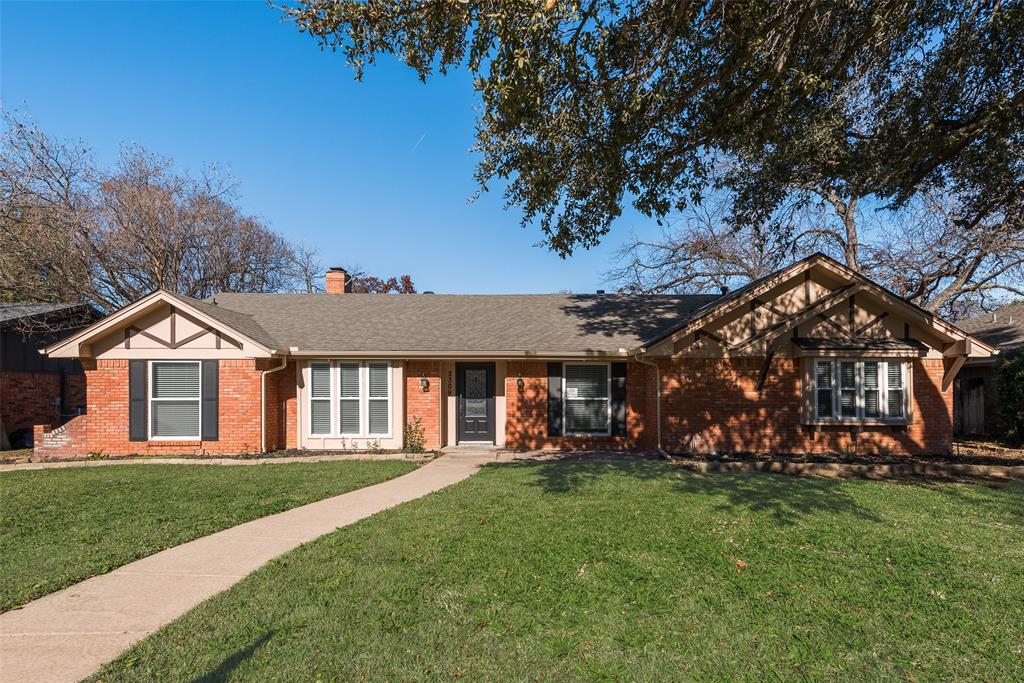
850,225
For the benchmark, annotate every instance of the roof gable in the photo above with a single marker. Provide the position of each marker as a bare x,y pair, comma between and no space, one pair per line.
816,297
136,319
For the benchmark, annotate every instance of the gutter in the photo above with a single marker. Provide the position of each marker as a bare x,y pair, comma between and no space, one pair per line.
263,402
446,355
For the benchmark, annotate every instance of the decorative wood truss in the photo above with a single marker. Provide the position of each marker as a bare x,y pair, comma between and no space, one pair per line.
174,342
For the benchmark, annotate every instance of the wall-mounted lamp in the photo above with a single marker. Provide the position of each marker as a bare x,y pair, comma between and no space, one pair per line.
424,382
520,382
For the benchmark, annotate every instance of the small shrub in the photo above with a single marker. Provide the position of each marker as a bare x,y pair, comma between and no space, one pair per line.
1010,371
413,437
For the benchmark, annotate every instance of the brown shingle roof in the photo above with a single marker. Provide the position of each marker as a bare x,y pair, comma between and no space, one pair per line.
1003,329
346,323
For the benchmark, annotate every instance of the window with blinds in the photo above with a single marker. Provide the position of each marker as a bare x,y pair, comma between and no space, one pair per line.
586,398
320,398
379,399
848,389
361,406
350,398
174,400
823,394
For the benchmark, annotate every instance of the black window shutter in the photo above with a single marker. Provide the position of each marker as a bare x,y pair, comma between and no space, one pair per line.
554,399
618,399
137,400
211,391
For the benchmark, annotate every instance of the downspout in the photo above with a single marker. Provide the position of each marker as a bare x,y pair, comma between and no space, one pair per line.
263,403
657,386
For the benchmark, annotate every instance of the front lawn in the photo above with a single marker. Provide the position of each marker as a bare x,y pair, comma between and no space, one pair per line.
60,526
629,570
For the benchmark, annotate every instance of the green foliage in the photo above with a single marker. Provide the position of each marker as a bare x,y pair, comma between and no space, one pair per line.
607,570
61,526
585,106
413,436
1010,372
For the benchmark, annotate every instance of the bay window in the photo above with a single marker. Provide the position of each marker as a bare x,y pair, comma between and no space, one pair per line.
175,397
586,398
847,389
350,398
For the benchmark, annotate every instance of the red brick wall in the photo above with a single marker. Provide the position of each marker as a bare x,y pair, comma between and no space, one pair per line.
62,442
26,398
282,397
425,405
707,404
526,420
713,405
106,426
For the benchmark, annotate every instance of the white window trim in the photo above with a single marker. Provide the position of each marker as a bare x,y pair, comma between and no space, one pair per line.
364,400
150,399
883,391
608,398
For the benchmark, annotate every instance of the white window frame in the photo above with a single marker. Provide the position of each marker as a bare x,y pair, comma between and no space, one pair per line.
883,390
565,399
364,399
150,399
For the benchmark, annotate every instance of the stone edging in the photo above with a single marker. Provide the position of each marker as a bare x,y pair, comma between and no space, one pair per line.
863,471
334,457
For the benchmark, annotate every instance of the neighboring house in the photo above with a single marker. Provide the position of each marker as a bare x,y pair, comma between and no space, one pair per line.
35,389
976,391
812,358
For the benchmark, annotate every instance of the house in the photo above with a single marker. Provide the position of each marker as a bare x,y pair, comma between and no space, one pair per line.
811,358
33,388
976,391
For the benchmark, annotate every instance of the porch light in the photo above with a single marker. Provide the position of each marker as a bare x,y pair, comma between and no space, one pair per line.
520,382
424,382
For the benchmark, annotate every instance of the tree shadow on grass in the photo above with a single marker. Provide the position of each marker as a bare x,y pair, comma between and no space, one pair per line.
230,663
1003,500
786,499
566,474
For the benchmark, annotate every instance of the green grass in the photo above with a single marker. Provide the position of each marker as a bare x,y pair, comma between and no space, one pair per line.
622,570
60,526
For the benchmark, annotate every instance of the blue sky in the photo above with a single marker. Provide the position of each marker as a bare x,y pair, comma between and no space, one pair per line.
377,174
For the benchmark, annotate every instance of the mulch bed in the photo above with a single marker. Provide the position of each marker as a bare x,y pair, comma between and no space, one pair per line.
969,461
26,456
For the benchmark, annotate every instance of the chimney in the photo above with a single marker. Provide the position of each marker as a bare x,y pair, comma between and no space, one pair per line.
724,290
336,281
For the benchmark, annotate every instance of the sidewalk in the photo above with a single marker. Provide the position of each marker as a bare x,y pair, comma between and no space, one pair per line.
70,634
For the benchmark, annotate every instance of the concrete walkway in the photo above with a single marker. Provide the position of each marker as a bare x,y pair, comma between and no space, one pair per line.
70,634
